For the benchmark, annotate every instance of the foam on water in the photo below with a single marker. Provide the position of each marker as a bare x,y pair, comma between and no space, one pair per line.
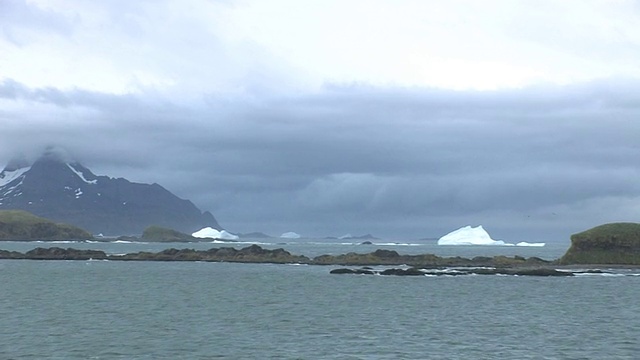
61,242
128,242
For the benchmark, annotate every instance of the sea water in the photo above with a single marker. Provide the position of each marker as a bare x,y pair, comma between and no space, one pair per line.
199,310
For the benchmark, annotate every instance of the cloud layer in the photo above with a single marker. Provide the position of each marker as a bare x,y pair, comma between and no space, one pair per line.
280,126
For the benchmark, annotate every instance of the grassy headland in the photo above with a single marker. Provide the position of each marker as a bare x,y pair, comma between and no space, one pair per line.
615,243
24,226
160,234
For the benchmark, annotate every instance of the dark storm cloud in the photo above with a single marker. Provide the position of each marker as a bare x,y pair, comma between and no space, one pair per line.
413,162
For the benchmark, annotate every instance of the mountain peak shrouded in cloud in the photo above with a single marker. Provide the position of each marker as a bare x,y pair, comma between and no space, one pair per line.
16,163
57,153
68,192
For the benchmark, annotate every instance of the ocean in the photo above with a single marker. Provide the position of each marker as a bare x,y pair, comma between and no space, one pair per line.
199,310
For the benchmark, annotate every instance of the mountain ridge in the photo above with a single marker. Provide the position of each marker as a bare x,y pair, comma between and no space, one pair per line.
61,189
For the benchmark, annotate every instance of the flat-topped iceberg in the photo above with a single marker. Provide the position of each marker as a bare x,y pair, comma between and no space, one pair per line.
469,236
290,235
211,233
476,236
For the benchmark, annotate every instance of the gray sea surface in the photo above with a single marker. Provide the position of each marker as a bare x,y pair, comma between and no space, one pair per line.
200,310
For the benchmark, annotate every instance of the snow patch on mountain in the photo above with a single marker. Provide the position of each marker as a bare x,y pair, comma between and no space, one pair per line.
81,175
7,177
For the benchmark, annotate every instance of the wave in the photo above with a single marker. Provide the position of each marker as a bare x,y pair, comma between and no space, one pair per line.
61,242
217,241
394,244
499,243
128,242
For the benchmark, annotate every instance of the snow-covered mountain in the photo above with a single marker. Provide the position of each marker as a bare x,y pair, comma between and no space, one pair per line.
62,190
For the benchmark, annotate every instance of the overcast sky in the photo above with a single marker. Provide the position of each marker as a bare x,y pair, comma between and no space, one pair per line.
404,119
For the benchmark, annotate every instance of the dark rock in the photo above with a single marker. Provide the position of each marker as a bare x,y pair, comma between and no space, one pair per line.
56,253
352,271
386,254
403,272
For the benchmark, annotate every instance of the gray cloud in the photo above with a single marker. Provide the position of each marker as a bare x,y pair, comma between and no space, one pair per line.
21,21
537,163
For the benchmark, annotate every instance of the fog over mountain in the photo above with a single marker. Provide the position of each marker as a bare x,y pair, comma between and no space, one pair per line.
402,120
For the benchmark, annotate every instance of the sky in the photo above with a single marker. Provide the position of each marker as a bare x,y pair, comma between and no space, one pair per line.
404,119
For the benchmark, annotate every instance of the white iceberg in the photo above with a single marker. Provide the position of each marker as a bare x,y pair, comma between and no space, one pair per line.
469,236
477,236
211,233
524,243
290,235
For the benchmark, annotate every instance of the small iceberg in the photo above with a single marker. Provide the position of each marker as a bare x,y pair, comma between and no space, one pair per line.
469,236
211,233
290,235
524,243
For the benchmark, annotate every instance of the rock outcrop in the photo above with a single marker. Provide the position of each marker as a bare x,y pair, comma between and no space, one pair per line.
391,257
539,271
249,254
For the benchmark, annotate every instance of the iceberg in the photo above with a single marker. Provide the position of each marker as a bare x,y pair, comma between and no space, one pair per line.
524,243
477,236
469,236
290,235
211,233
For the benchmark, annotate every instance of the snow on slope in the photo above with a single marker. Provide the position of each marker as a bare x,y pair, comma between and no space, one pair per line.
81,175
8,176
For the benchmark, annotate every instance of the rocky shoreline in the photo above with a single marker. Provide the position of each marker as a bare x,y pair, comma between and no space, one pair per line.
411,265
257,254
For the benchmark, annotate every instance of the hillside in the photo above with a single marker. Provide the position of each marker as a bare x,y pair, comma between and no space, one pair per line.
159,234
21,225
615,243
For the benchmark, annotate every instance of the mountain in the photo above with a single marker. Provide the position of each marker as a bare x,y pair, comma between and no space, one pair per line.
65,191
